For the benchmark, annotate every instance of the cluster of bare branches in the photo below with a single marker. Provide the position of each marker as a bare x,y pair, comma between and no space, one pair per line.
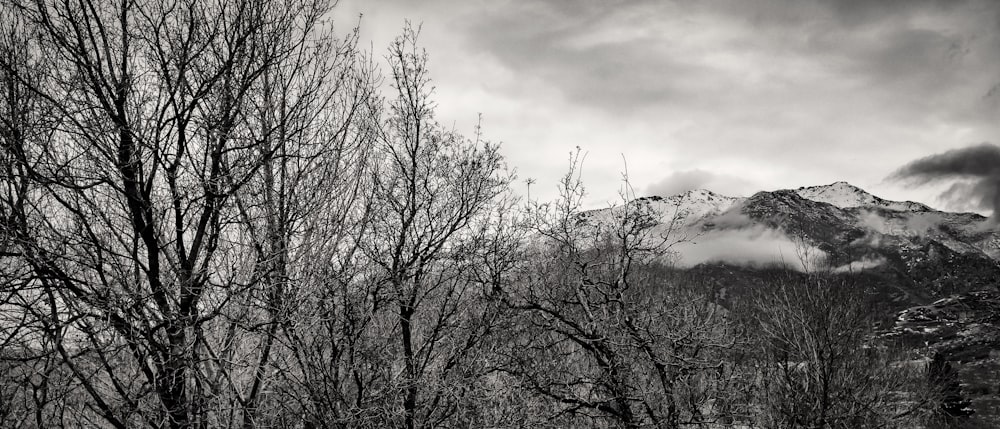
212,215
818,365
603,336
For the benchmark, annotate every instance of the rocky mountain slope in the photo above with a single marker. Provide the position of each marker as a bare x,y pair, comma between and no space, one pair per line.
922,254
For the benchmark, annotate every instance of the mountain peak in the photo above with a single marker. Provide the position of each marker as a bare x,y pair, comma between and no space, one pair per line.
702,193
838,186
693,205
846,195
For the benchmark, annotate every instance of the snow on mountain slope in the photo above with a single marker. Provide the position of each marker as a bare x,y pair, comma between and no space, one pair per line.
845,195
693,206
686,209
845,224
706,227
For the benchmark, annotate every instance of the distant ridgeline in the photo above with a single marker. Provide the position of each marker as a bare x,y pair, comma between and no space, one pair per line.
915,254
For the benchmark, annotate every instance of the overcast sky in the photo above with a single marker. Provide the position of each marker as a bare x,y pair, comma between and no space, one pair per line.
733,96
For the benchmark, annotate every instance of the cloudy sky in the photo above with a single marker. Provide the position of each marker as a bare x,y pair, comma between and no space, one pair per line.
734,96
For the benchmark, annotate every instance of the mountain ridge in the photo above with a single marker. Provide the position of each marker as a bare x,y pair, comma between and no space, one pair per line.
925,253
845,195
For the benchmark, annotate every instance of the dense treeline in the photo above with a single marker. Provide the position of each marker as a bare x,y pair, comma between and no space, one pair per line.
223,214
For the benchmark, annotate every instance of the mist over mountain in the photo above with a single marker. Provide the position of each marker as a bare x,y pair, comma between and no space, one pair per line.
920,253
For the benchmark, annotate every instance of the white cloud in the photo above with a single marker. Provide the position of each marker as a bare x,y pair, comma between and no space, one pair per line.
686,180
780,93
754,246
862,264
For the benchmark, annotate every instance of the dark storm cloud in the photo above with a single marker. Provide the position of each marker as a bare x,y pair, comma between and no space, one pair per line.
982,160
979,163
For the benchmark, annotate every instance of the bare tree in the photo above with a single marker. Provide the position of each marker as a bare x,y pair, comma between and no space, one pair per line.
161,119
390,284
37,390
820,365
432,186
314,117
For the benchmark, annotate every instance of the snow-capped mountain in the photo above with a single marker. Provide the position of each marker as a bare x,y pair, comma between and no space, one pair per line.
693,206
681,211
846,195
837,227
